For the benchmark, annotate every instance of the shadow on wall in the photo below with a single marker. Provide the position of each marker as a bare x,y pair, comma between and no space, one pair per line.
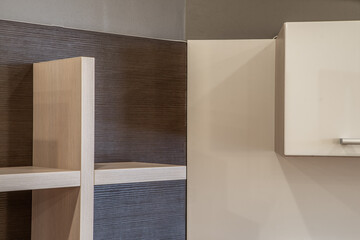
326,190
244,89
246,190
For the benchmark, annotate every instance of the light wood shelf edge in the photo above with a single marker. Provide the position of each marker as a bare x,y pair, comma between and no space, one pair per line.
87,147
132,172
33,178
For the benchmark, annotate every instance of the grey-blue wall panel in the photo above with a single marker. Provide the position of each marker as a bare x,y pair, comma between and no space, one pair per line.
140,101
237,19
140,211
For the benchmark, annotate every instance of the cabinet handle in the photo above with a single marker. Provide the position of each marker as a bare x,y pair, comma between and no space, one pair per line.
350,141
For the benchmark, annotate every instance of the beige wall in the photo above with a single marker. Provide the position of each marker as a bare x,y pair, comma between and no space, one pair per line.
255,19
238,188
163,19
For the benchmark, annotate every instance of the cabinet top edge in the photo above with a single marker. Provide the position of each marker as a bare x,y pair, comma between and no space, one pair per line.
66,59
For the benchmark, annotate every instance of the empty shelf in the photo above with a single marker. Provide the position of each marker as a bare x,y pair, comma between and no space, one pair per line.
32,178
130,172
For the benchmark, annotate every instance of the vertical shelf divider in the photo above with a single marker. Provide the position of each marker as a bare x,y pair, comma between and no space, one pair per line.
63,137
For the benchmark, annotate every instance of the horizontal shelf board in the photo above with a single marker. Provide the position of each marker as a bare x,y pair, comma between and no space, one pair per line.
131,172
33,178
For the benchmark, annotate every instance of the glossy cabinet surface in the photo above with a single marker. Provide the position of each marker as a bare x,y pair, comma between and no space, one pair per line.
318,79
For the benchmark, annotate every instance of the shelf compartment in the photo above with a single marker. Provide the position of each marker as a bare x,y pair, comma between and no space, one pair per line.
131,172
33,178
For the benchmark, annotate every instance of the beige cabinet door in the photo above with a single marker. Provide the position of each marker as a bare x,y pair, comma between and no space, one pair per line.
321,77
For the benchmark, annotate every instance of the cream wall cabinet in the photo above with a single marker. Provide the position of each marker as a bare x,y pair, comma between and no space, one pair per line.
318,89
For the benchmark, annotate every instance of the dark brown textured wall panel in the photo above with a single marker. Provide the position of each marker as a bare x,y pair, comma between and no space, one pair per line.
140,211
15,215
140,94
15,140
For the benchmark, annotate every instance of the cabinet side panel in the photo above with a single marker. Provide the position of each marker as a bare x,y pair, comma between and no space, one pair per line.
279,91
230,137
57,144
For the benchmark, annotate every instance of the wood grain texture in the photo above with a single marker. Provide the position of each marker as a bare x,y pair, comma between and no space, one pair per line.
131,172
140,99
64,138
141,211
60,209
31,178
57,114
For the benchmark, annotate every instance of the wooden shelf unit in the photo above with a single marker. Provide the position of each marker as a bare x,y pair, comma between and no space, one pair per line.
64,174
130,172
